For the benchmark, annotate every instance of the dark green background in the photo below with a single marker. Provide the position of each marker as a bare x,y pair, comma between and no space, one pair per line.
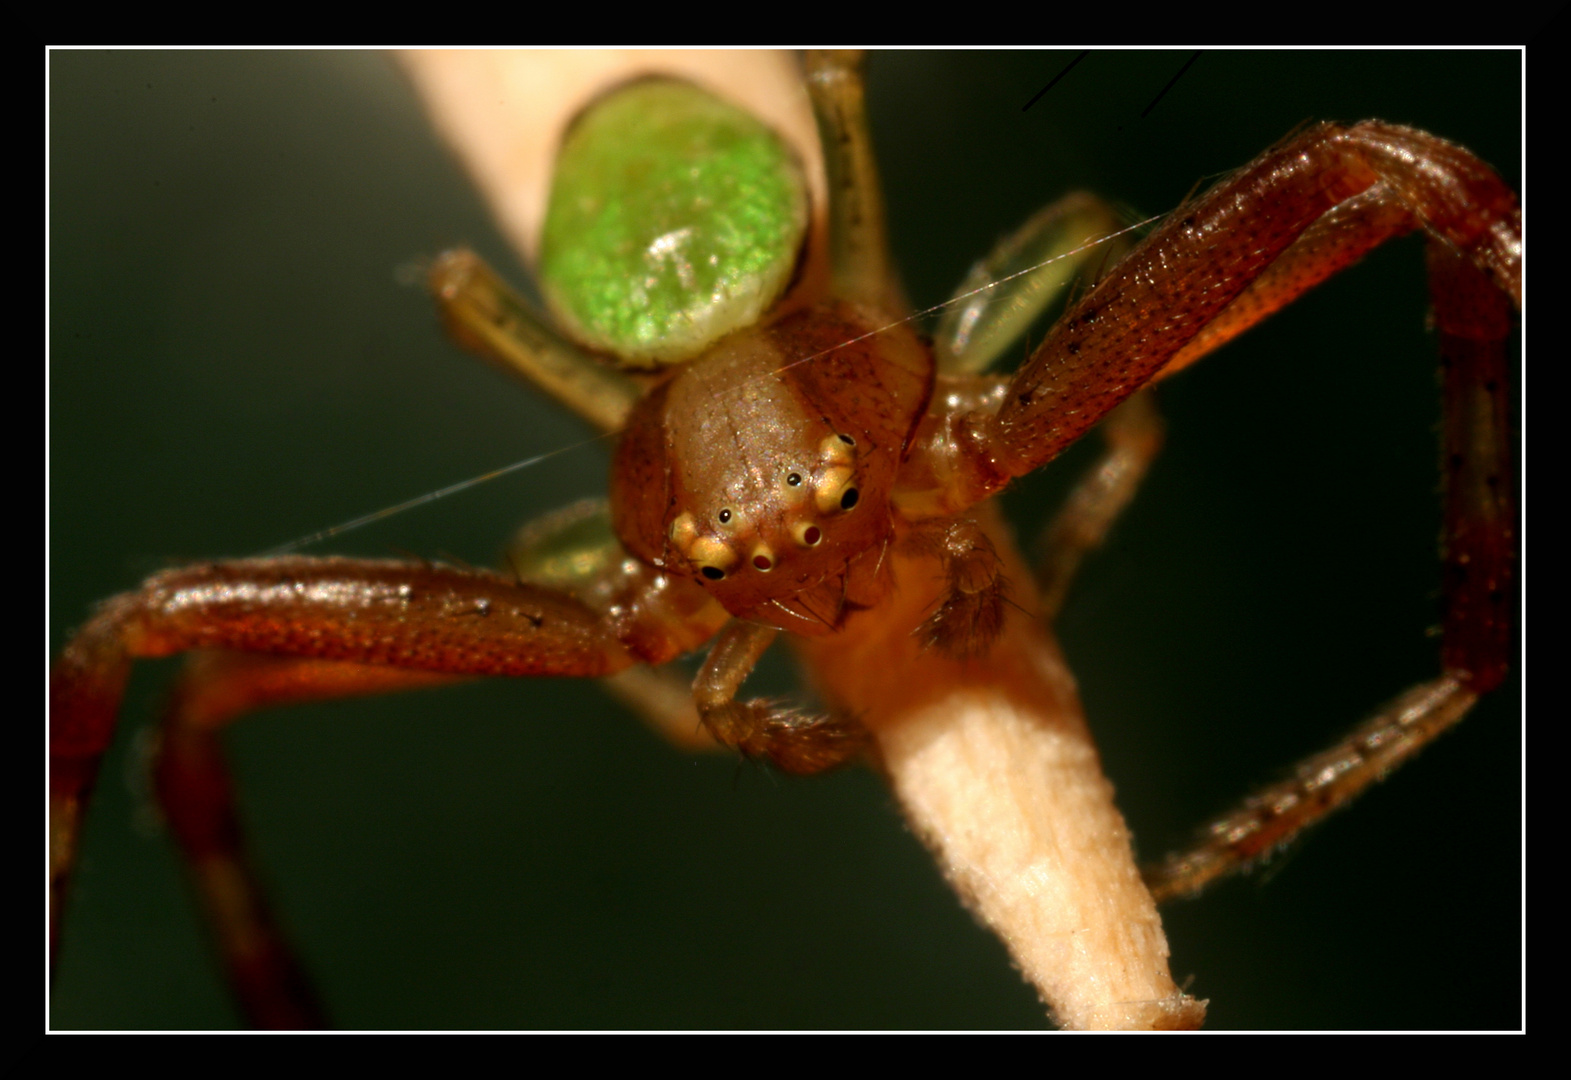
235,362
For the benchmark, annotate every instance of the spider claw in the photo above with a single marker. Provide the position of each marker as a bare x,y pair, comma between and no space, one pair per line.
967,623
792,739
970,613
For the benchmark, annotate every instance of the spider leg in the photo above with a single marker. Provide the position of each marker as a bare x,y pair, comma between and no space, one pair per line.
575,550
1299,213
1480,544
795,741
1133,434
197,797
861,266
485,315
1023,277
1206,255
271,632
1342,236
1304,210
1479,569
1274,815
416,618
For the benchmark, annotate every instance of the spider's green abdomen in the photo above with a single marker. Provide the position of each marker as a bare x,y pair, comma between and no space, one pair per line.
675,218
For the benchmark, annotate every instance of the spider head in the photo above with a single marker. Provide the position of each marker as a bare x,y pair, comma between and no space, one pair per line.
776,541
763,469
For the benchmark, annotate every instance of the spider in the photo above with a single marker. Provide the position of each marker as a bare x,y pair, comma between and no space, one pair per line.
830,916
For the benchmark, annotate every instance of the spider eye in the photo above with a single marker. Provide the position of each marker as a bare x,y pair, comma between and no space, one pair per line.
724,516
806,534
835,490
711,556
795,479
836,451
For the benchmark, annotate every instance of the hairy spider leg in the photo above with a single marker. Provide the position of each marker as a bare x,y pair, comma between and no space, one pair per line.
1473,318
1303,210
334,628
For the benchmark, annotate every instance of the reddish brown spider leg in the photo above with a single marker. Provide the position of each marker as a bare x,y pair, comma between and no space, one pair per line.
1273,816
1473,319
196,794
1133,433
796,742
1300,212
420,617
1346,233
1183,277
194,789
574,551
1479,559
1407,179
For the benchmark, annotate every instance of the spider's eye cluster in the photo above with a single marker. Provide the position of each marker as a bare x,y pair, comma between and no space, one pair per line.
806,493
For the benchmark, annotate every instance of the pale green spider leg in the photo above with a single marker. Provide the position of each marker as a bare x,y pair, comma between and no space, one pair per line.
1029,273
487,316
576,551
861,267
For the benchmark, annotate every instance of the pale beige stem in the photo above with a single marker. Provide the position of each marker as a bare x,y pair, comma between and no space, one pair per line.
996,771
1013,802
